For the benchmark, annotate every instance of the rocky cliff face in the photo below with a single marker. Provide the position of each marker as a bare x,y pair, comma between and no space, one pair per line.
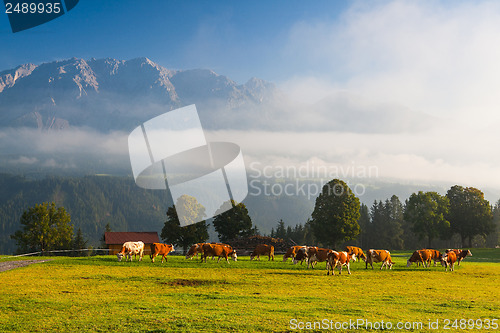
110,94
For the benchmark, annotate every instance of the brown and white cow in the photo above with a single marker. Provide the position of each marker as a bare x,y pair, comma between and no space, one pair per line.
194,250
358,252
262,249
129,249
382,256
302,254
420,256
436,256
292,252
316,254
218,250
461,254
449,259
160,249
340,259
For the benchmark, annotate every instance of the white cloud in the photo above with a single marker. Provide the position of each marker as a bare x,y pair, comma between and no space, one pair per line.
72,141
438,58
24,160
420,157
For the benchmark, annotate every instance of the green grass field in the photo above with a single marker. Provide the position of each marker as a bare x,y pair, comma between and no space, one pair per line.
99,294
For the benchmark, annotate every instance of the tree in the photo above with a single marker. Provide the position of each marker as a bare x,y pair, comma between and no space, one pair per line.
107,228
280,230
469,214
44,228
365,226
79,242
172,232
336,213
493,239
378,216
426,212
233,222
394,224
184,237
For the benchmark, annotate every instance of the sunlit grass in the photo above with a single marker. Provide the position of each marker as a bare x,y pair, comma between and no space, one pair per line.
100,294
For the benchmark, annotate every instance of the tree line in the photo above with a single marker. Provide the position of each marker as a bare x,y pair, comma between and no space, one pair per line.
426,219
461,218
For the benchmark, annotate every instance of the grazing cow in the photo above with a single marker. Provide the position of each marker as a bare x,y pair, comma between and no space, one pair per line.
449,259
219,250
423,256
339,258
461,256
292,252
263,249
436,256
194,250
131,248
315,255
358,253
383,256
160,249
302,254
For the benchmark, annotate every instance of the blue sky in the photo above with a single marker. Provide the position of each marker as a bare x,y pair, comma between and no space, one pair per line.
240,39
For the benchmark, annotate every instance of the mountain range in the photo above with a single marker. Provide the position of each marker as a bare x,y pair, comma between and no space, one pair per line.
109,94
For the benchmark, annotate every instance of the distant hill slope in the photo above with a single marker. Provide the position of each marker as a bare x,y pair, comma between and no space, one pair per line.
94,201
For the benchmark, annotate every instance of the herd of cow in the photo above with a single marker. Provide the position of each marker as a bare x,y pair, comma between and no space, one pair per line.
310,254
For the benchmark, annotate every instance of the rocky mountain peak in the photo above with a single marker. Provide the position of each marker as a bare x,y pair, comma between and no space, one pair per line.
110,94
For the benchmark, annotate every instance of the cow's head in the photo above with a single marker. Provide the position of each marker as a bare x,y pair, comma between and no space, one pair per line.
444,260
173,250
408,263
353,257
234,256
119,256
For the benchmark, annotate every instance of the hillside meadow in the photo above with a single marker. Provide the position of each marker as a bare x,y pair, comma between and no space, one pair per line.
100,294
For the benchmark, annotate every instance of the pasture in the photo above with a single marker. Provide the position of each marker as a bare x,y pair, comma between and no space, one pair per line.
100,294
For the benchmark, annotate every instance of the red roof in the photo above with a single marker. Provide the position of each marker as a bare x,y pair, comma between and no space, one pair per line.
122,237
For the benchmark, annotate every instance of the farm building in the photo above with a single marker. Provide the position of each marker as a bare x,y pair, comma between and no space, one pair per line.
114,240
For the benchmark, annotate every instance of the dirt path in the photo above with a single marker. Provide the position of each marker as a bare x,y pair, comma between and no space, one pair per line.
6,265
